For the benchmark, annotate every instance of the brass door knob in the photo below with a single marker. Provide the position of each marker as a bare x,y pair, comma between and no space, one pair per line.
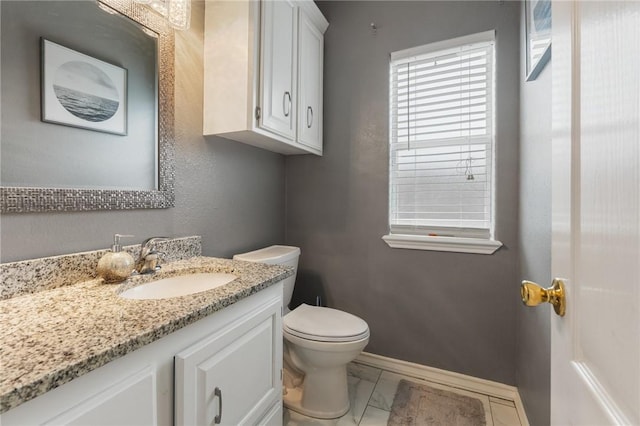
533,295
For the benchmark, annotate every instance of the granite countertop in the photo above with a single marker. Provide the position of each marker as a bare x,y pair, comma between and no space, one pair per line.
53,336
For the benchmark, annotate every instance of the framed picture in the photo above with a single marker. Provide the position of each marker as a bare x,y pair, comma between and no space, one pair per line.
538,35
81,91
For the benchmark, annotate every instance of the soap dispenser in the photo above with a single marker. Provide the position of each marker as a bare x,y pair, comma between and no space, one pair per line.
116,265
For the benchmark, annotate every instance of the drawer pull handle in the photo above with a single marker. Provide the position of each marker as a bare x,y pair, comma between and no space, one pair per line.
309,120
217,419
286,106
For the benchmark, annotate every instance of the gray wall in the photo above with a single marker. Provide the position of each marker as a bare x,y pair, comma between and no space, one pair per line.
230,193
447,310
533,353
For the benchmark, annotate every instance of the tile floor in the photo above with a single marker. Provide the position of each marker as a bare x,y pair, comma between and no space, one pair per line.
371,391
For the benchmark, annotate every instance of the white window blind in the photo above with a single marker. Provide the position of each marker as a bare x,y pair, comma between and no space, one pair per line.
441,144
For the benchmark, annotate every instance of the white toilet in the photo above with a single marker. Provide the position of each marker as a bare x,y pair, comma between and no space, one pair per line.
318,344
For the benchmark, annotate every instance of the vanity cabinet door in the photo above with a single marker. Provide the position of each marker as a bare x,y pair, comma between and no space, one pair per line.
279,60
310,58
273,417
132,401
233,376
125,398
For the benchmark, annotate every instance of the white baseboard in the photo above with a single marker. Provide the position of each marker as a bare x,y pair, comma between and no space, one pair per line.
449,378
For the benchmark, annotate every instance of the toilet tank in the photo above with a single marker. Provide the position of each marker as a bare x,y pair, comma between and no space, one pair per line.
276,255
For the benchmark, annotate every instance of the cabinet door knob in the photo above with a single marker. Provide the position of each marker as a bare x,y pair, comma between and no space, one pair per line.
217,419
286,104
309,120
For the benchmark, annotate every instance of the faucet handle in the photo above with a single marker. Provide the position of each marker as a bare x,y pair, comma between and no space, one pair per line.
147,245
153,260
152,240
148,259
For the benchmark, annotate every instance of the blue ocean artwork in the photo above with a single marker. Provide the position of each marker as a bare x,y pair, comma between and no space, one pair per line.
86,91
85,106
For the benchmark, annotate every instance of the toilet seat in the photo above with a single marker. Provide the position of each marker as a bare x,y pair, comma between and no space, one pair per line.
324,324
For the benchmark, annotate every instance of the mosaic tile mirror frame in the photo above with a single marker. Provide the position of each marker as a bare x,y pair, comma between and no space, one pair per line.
17,199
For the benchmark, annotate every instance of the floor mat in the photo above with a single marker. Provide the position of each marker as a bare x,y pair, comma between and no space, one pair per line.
417,404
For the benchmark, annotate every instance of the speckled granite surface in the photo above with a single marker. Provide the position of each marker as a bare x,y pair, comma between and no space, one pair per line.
31,276
53,336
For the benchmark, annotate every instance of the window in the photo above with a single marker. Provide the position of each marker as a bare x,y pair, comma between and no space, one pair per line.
441,146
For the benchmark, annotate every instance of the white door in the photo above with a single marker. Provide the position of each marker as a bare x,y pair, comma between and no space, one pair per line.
310,58
278,67
595,366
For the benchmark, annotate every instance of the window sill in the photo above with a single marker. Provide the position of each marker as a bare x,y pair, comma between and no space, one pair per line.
451,244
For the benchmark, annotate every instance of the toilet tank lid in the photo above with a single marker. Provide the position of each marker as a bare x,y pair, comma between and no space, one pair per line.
272,255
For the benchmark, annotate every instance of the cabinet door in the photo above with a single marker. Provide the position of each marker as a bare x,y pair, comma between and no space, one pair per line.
233,376
310,55
130,399
273,417
278,59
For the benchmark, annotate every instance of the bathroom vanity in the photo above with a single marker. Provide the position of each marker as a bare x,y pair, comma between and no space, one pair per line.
81,354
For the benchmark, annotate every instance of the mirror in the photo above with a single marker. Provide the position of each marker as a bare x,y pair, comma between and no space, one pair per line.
87,106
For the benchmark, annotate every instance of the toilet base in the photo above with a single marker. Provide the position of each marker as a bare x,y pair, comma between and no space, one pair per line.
316,375
292,398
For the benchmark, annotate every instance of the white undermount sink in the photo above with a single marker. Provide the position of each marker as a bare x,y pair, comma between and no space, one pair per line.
178,286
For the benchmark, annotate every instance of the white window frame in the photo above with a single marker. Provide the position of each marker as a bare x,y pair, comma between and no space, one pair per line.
451,239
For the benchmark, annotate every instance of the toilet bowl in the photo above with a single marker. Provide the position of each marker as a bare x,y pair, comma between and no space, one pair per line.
319,342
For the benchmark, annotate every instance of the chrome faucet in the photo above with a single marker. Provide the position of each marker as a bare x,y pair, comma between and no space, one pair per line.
148,260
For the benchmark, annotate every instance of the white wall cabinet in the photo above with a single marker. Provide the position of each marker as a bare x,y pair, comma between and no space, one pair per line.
263,73
238,350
